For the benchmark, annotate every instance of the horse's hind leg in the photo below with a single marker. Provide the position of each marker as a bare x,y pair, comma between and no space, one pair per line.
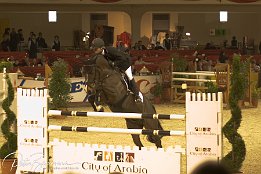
135,124
155,139
136,140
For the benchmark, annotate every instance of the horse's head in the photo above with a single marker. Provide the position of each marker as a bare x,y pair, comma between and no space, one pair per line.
89,71
94,71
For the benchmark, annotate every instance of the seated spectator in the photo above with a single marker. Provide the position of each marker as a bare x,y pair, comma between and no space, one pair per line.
210,46
140,46
135,47
222,57
152,46
158,46
139,61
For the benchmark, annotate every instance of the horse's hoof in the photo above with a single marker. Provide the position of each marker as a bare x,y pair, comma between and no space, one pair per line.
100,108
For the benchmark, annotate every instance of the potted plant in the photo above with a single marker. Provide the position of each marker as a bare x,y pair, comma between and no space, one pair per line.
8,149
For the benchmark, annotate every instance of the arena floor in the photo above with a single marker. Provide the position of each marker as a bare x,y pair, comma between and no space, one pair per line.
249,129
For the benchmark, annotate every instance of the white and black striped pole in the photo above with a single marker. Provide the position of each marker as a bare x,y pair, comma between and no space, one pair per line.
116,130
116,115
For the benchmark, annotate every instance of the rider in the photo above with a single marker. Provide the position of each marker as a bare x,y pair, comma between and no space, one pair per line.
119,59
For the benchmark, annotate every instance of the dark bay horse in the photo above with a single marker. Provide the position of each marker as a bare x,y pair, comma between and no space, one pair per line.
108,83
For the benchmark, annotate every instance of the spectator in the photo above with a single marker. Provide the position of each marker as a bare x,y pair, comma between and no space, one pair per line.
32,47
41,41
209,46
56,43
20,39
140,61
135,47
140,46
222,57
13,40
167,44
5,43
234,42
158,46
121,46
30,36
7,32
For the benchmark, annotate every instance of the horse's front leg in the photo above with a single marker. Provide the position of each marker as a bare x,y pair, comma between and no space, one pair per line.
95,103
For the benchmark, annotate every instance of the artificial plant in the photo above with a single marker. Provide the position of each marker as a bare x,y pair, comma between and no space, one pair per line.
10,146
179,62
59,87
236,156
5,64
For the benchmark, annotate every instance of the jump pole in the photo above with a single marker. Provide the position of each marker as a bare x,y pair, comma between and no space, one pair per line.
116,115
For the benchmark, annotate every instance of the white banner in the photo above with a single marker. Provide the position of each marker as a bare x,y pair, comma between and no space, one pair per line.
93,159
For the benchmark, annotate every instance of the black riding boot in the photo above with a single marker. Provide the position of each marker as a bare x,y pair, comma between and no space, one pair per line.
135,90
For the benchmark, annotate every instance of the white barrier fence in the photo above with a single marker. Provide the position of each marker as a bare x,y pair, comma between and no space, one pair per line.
203,136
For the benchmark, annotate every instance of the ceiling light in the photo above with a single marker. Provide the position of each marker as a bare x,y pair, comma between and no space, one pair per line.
223,16
52,16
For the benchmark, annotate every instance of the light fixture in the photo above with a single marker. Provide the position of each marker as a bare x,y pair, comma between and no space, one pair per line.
187,34
223,16
52,16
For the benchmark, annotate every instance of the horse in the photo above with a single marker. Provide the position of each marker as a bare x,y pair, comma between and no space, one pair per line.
109,86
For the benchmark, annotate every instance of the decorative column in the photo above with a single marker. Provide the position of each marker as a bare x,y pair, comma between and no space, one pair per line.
135,16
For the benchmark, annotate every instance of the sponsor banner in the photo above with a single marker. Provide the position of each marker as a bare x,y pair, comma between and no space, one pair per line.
201,148
145,83
203,122
94,159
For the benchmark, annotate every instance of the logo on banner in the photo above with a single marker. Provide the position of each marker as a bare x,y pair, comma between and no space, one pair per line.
129,157
98,155
202,131
203,151
108,156
119,157
116,157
